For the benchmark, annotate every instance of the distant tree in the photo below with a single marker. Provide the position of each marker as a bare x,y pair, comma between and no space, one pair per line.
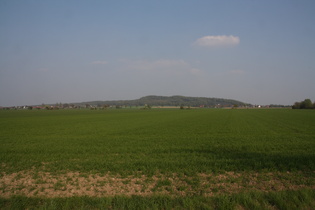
306,104
297,105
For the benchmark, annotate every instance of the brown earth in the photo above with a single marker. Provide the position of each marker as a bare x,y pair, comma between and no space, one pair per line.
32,183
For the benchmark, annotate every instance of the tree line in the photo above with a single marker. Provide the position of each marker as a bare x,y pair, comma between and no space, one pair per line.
172,101
306,104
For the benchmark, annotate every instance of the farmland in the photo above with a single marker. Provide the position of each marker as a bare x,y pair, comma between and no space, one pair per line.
158,158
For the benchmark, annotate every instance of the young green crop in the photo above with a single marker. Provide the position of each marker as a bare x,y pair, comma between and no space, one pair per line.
164,140
303,199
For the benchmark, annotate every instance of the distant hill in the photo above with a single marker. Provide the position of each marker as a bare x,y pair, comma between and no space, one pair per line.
169,101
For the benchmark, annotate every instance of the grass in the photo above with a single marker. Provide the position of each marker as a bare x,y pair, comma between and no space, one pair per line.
236,147
181,141
303,199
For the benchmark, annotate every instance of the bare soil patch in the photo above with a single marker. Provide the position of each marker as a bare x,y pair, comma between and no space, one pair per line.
34,183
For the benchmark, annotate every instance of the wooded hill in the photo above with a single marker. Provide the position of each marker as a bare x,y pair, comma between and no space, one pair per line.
169,101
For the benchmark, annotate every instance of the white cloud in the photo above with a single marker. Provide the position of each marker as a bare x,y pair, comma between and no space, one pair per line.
217,41
99,62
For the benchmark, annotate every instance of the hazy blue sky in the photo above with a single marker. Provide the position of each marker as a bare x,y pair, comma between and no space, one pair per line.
260,52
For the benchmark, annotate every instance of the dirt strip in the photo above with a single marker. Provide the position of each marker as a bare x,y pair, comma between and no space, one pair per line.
43,184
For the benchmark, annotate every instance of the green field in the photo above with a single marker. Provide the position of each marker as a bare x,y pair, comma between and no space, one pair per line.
158,158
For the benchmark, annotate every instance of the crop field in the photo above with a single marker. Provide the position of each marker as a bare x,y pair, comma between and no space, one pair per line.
157,159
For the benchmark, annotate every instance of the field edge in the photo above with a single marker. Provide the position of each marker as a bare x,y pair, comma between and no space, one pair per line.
297,199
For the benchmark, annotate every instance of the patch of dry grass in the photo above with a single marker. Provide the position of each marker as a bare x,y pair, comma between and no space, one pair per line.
32,183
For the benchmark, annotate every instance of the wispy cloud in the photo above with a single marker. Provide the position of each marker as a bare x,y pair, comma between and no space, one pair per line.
162,64
195,71
43,70
217,41
99,62
238,72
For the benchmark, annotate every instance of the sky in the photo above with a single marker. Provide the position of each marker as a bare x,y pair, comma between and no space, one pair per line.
65,51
